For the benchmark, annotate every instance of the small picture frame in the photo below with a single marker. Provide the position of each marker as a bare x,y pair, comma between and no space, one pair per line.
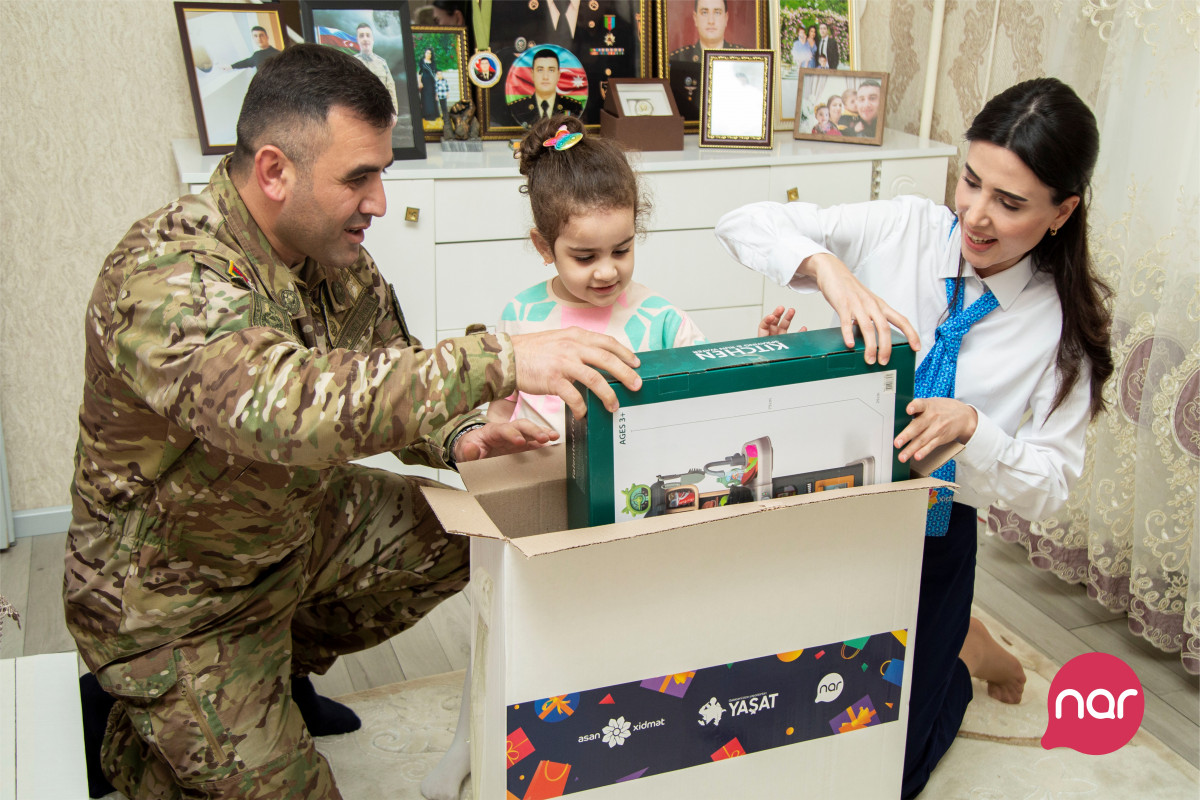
223,46
643,97
441,54
809,36
378,33
736,104
857,99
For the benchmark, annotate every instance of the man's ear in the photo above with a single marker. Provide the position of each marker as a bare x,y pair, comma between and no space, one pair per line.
274,172
543,247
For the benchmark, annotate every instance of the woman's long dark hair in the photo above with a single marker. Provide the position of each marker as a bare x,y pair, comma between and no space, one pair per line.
1049,128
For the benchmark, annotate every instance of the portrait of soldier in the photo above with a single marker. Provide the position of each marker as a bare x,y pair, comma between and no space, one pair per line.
545,100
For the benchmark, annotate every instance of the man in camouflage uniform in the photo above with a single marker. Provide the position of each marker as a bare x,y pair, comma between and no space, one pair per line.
375,63
241,348
685,65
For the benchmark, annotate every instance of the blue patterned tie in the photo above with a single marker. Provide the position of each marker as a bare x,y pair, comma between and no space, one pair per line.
935,378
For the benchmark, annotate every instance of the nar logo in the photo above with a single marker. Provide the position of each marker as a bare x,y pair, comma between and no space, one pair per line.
752,703
1095,705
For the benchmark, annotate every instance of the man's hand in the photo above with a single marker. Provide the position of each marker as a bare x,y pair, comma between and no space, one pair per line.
501,438
550,362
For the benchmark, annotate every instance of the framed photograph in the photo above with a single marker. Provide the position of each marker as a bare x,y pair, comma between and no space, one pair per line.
560,62
688,28
736,103
378,33
223,46
809,38
841,106
643,97
441,73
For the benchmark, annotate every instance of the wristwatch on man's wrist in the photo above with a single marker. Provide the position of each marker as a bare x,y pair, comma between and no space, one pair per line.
448,453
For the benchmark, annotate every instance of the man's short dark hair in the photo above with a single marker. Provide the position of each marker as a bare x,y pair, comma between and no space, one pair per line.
696,5
870,82
362,25
545,52
258,28
288,102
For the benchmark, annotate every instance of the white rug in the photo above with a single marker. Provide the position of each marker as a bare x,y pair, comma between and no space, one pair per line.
997,756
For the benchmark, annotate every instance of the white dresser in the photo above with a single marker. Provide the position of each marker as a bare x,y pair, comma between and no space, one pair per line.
455,240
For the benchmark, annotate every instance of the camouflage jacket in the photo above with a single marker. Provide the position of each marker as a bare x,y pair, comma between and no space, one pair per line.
219,388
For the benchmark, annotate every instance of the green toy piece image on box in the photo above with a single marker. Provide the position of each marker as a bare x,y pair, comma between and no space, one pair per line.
736,422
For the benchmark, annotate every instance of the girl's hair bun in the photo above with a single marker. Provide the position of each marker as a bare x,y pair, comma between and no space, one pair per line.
532,149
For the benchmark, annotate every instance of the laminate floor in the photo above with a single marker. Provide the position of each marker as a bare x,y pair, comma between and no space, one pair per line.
1054,617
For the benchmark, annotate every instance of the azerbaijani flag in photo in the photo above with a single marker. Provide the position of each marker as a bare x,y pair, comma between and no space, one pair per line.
572,81
335,38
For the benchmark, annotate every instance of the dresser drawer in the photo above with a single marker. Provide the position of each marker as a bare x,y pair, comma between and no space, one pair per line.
476,279
823,184
481,210
697,199
692,270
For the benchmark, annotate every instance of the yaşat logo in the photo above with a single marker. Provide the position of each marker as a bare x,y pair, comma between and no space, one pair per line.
1095,705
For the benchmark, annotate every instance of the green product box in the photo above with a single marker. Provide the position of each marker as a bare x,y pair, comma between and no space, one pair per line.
740,421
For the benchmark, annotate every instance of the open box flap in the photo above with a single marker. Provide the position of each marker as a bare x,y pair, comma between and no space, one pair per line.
459,512
557,541
937,458
515,471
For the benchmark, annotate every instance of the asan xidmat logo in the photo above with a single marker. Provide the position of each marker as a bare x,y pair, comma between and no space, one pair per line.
1095,705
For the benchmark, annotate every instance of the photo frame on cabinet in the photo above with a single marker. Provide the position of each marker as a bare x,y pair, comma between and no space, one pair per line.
223,46
736,104
605,39
687,28
858,99
806,38
378,33
441,54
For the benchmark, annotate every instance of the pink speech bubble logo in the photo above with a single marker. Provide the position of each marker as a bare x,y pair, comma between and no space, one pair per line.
1095,705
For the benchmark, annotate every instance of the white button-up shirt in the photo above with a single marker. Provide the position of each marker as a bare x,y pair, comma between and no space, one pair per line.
903,250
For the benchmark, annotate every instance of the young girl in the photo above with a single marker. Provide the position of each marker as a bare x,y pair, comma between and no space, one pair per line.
587,211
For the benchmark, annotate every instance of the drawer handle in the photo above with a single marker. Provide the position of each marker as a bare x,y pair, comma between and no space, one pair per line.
412,214
793,194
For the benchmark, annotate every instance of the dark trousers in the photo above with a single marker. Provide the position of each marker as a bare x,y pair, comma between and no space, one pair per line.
941,685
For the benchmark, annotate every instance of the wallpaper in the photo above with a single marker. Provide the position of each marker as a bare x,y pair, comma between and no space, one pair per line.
94,92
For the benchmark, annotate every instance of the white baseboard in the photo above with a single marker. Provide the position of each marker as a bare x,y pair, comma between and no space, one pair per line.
40,521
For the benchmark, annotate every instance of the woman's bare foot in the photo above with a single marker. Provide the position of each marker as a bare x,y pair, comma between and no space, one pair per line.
987,660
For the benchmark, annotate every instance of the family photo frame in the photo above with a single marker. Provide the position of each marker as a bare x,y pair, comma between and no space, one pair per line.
441,54
686,29
736,103
809,35
843,106
379,34
223,46
554,62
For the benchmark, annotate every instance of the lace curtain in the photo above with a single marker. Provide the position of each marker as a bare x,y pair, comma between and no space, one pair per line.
1129,528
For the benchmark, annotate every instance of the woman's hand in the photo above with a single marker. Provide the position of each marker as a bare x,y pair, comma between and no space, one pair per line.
936,421
777,322
855,304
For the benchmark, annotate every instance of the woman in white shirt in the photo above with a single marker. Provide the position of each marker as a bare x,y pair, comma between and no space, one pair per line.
1005,279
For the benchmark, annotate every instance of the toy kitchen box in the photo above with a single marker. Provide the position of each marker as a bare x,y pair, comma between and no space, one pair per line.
756,649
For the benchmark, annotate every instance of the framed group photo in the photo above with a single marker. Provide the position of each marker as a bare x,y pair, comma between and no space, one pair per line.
843,106
736,104
809,37
688,28
223,46
559,62
379,34
441,73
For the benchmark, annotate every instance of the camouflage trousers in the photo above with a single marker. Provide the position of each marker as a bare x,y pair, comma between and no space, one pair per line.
210,715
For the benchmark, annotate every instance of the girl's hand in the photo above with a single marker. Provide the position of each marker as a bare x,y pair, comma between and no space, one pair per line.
777,322
936,421
855,304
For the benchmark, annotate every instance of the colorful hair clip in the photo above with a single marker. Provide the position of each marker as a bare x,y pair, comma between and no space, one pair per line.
563,139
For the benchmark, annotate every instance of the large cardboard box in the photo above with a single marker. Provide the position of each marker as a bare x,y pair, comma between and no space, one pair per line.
755,650
722,423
